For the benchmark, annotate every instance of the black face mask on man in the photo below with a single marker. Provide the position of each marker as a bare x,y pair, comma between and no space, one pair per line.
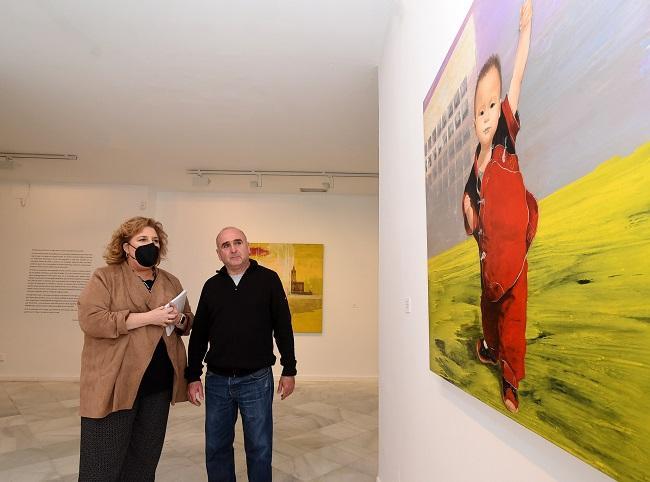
146,255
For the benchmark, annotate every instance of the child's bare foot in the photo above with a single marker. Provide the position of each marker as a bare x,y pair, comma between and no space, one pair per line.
485,353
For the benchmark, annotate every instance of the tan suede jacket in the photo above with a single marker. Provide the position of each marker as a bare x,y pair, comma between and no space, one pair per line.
114,359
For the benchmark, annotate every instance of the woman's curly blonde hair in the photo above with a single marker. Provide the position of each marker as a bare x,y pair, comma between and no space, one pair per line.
114,253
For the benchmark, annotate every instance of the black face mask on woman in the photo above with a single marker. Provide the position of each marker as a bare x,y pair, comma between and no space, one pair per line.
146,255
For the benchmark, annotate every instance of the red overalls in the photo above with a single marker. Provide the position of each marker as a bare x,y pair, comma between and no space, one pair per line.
507,221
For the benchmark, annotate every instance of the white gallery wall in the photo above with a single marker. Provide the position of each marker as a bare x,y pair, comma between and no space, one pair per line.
346,225
430,429
83,217
54,217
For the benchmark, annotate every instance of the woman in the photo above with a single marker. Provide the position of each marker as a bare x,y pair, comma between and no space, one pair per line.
130,369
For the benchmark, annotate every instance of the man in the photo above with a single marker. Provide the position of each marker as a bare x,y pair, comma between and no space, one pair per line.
240,310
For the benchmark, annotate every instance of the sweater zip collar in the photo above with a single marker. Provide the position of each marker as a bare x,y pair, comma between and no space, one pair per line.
224,271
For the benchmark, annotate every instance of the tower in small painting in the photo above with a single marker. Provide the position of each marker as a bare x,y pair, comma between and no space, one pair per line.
297,287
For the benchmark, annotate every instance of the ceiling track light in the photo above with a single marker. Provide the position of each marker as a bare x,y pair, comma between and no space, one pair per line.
241,172
9,156
200,176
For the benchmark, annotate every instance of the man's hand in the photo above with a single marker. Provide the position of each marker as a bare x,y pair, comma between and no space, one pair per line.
195,393
286,386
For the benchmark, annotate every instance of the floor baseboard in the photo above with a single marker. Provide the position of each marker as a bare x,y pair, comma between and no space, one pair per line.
306,378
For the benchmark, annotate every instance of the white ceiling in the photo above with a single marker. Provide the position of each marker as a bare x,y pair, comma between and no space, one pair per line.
142,90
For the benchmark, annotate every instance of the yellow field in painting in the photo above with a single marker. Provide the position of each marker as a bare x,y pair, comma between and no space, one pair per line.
306,310
306,321
587,385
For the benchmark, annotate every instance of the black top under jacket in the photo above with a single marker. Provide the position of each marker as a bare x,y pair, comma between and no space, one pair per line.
159,375
239,322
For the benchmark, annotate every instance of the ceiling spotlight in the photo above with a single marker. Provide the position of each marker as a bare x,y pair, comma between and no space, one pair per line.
257,183
200,180
6,162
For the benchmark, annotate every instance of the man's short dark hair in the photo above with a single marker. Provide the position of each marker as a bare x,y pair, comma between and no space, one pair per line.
492,61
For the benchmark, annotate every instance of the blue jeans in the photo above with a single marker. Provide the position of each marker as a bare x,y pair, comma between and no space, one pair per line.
253,396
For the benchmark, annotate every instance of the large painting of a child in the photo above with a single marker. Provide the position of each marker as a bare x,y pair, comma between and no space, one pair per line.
537,162
502,216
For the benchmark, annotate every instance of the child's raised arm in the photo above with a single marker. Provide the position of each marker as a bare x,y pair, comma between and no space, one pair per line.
525,20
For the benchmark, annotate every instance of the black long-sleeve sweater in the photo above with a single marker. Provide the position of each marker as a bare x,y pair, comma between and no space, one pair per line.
239,322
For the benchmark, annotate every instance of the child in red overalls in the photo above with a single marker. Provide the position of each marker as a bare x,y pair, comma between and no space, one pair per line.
502,216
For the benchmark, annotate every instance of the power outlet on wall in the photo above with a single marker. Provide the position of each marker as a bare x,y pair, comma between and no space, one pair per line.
407,305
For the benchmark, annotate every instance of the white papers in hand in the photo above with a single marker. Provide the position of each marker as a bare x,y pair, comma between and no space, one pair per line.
179,304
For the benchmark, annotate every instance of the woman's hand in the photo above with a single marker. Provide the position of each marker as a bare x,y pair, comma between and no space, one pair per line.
177,315
182,322
162,316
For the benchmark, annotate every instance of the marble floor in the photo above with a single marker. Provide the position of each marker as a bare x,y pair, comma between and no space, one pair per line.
326,431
